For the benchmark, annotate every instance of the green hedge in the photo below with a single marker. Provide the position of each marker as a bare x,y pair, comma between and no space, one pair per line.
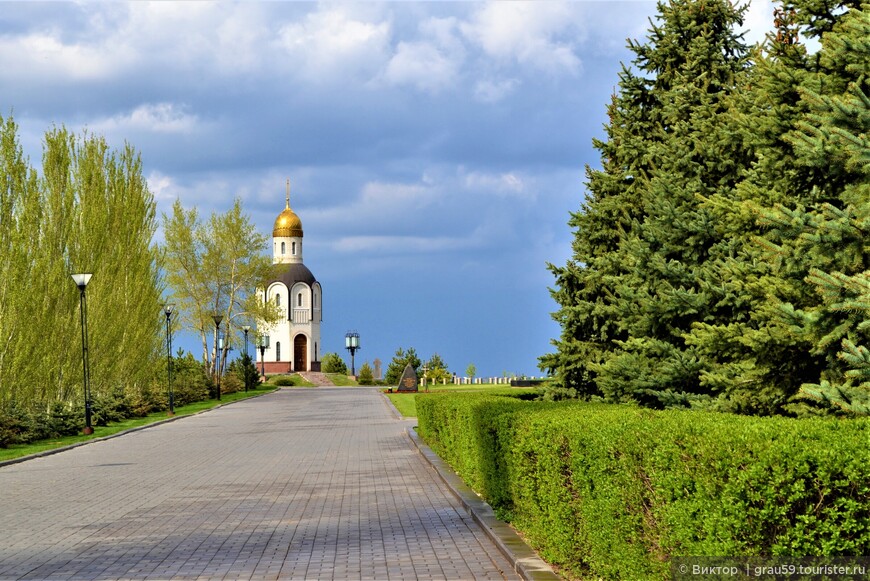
615,492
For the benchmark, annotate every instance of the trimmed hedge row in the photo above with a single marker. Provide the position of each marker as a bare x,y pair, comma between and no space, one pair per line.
615,492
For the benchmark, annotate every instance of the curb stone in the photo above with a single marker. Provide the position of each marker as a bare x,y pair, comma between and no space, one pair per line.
45,453
526,562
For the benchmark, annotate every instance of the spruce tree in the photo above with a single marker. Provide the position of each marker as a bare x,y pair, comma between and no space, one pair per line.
829,236
694,60
586,286
749,354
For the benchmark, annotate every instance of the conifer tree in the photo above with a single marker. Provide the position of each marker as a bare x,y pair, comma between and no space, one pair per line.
586,287
652,288
749,354
828,237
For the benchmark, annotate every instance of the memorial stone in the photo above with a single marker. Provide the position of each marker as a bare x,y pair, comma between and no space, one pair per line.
408,382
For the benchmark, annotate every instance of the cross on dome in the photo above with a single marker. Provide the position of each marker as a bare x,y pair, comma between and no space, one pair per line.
287,224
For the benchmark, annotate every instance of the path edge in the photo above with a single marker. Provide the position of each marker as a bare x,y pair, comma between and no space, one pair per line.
521,556
52,451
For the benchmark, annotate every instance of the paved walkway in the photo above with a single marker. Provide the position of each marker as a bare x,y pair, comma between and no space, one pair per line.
299,484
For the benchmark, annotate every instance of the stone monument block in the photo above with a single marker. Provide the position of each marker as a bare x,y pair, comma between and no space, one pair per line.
408,382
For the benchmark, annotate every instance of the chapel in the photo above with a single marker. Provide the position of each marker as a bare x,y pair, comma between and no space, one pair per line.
294,341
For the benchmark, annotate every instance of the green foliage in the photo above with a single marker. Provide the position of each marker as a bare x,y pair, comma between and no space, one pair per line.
215,267
633,286
284,381
718,257
332,363
400,360
615,492
113,406
57,222
437,369
231,383
246,371
471,370
366,376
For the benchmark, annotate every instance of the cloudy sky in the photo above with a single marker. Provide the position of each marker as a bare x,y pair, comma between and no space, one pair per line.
435,149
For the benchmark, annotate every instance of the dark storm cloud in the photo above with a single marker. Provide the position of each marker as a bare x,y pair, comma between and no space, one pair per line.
435,149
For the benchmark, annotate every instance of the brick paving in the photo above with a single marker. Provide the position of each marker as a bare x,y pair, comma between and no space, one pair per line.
300,484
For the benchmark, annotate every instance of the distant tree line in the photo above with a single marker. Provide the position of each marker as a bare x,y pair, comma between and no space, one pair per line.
436,368
720,258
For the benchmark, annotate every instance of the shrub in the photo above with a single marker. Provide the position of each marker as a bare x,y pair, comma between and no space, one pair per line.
332,363
615,492
190,385
366,377
62,419
231,383
113,406
284,381
16,426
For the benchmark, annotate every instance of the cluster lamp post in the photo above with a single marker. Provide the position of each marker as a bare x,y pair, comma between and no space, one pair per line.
217,349
168,308
264,344
351,343
81,281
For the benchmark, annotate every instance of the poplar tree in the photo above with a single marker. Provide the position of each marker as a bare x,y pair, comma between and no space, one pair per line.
20,219
90,211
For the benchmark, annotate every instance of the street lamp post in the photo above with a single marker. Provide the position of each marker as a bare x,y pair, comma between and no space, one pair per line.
168,308
246,328
81,281
351,343
245,359
425,377
264,344
217,357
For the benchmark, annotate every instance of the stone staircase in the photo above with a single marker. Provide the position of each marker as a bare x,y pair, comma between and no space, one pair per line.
318,379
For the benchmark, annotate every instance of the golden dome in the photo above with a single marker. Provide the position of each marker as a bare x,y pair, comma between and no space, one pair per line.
287,224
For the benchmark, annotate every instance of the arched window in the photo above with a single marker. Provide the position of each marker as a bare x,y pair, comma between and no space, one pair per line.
294,248
299,300
284,248
278,351
277,300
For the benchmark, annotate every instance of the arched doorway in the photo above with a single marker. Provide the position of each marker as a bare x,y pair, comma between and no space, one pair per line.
300,353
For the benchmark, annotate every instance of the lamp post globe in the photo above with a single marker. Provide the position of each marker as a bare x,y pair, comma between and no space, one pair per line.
82,281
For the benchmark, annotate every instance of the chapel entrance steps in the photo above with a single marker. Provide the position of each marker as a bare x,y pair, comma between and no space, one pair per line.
317,378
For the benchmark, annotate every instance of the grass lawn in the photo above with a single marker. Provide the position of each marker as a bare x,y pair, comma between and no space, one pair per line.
407,406
19,450
341,379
